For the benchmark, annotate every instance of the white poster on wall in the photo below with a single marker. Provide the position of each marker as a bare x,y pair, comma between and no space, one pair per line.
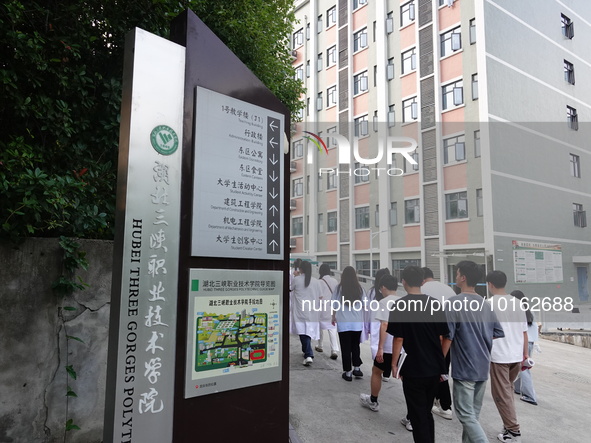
537,262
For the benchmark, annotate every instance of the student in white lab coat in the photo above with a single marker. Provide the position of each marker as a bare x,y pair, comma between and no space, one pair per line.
328,285
304,309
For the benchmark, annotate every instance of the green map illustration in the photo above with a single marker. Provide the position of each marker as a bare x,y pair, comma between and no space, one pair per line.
225,340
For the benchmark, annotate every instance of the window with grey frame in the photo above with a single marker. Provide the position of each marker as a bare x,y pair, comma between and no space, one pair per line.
390,23
456,205
308,31
393,213
390,69
359,3
412,211
410,110
299,73
568,27
575,165
360,83
362,217
477,143
331,56
307,68
363,267
454,149
330,141
331,16
572,118
331,96
452,95
297,226
360,40
580,216
391,116
474,86
297,187
375,123
569,72
450,41
298,149
479,203
320,183
409,61
319,62
407,13
307,184
412,166
399,265
331,181
298,38
375,75
331,221
361,126
320,225
472,31
319,24
361,173
319,101
377,216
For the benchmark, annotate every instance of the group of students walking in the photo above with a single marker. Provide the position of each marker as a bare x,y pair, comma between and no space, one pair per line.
418,337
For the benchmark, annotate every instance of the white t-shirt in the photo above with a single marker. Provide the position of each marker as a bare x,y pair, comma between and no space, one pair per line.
511,315
383,314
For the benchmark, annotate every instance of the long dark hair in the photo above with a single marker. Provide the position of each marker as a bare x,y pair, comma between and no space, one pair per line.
349,286
528,315
376,284
306,269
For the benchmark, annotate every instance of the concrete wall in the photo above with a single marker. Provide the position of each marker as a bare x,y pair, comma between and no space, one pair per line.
35,350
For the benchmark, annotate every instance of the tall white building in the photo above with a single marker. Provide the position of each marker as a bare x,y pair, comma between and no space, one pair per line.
487,90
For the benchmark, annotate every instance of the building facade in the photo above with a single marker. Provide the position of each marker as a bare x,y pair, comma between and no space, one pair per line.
486,90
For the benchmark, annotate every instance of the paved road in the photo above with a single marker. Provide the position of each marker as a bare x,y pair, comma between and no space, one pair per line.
325,409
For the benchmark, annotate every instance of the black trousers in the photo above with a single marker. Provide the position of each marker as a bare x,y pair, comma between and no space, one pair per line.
350,352
443,392
419,393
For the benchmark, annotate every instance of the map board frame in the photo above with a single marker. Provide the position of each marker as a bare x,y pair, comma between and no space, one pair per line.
234,327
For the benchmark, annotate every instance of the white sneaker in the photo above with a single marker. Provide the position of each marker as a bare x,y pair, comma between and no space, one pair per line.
365,400
385,379
308,361
406,423
437,410
509,436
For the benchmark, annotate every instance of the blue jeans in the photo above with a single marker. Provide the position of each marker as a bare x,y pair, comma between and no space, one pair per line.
524,383
306,346
468,397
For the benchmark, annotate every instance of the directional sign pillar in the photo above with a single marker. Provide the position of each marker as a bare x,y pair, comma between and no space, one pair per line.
198,333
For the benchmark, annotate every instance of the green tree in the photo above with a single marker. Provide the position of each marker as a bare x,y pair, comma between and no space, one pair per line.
61,66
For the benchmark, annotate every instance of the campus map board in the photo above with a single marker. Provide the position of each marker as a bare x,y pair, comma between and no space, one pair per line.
234,329
537,262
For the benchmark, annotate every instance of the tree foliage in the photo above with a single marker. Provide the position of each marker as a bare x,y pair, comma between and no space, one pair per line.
61,65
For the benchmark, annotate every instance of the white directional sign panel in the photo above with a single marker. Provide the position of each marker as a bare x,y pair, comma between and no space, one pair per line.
238,186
